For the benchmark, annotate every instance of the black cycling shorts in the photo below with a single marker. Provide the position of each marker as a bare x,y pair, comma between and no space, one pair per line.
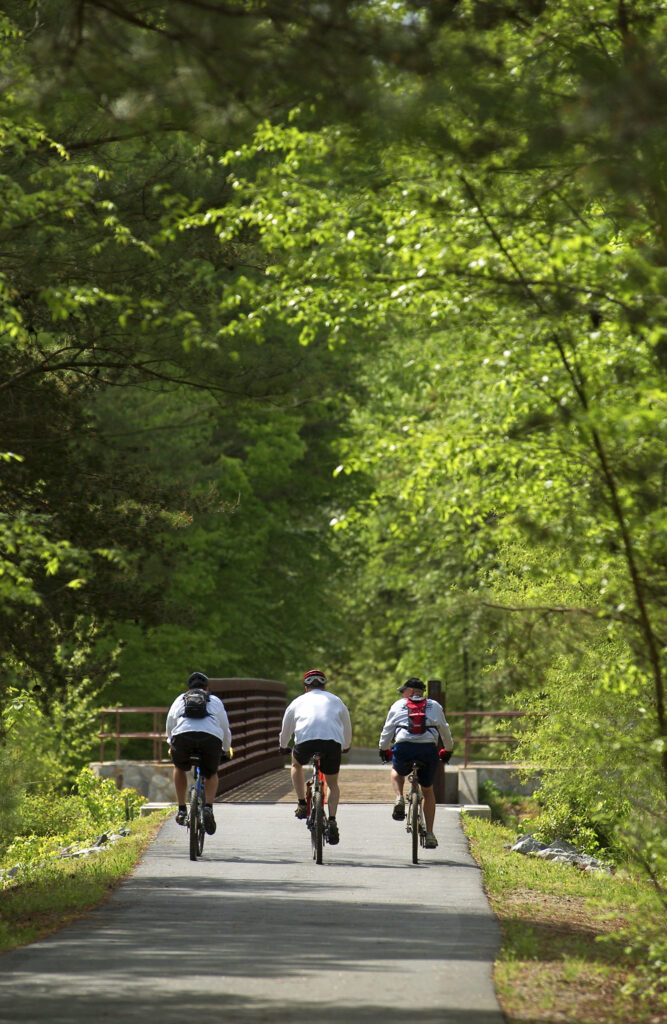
208,746
328,750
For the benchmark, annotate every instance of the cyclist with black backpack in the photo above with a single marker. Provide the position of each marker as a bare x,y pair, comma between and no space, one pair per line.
197,723
415,730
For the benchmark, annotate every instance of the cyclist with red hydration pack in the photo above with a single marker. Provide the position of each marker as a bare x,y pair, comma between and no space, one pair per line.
320,723
415,730
197,723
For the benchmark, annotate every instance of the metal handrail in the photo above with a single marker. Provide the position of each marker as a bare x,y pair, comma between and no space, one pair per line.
255,709
255,735
469,738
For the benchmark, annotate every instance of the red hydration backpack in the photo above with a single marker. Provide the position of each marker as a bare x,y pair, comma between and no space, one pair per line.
416,715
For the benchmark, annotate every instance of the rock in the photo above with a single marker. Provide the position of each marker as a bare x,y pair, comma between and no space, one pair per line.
556,849
528,845
560,852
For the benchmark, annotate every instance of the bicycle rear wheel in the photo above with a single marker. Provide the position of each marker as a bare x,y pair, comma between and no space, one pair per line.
195,826
318,827
413,812
201,831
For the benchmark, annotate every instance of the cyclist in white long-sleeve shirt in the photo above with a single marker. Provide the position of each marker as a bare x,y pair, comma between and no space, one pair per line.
320,723
197,723
414,727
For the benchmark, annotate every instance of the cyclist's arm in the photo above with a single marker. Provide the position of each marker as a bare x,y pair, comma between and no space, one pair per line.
173,716
222,720
388,730
287,728
347,728
443,727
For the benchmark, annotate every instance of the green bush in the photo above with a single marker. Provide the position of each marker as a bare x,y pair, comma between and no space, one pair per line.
27,762
44,791
491,795
591,732
561,821
49,814
104,802
49,822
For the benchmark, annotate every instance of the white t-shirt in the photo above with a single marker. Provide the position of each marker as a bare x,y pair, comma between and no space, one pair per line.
215,722
317,715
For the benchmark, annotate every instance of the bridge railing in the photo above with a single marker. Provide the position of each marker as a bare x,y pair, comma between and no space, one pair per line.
255,708
470,738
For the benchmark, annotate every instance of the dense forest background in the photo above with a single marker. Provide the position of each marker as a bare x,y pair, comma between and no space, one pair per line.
335,334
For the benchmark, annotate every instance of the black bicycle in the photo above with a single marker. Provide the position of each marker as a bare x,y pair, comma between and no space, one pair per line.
415,821
196,817
316,818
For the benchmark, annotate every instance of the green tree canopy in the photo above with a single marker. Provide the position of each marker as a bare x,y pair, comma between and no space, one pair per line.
431,255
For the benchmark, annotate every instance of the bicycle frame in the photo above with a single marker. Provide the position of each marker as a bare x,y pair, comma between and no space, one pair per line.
415,822
196,816
316,794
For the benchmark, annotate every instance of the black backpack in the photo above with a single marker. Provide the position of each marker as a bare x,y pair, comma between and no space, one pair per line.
195,703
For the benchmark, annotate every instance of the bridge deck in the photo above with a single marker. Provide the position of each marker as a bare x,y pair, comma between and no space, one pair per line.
357,785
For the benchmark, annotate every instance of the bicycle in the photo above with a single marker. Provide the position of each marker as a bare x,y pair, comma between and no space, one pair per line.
196,816
415,821
316,818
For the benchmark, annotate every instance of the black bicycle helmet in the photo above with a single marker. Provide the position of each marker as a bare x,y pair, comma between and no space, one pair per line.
197,681
314,678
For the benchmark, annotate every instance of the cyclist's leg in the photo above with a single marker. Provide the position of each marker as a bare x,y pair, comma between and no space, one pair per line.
429,807
301,755
211,788
334,794
397,782
180,785
426,774
298,781
209,749
210,791
179,750
403,754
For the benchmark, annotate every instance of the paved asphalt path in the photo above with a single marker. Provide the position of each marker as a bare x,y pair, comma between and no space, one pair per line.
256,931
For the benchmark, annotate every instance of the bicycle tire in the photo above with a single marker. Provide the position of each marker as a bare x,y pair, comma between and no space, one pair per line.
414,826
195,824
318,827
201,831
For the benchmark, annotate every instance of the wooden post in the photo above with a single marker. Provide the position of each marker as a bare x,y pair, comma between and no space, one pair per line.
434,691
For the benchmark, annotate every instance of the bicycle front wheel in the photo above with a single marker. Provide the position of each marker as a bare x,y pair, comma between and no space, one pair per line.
195,826
318,827
413,811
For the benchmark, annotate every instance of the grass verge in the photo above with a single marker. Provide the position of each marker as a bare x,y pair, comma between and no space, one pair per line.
59,891
582,948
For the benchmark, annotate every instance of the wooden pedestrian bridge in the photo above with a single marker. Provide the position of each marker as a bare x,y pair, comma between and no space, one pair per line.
258,771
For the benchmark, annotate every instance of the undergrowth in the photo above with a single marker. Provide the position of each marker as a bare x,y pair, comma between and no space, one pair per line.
55,891
591,947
